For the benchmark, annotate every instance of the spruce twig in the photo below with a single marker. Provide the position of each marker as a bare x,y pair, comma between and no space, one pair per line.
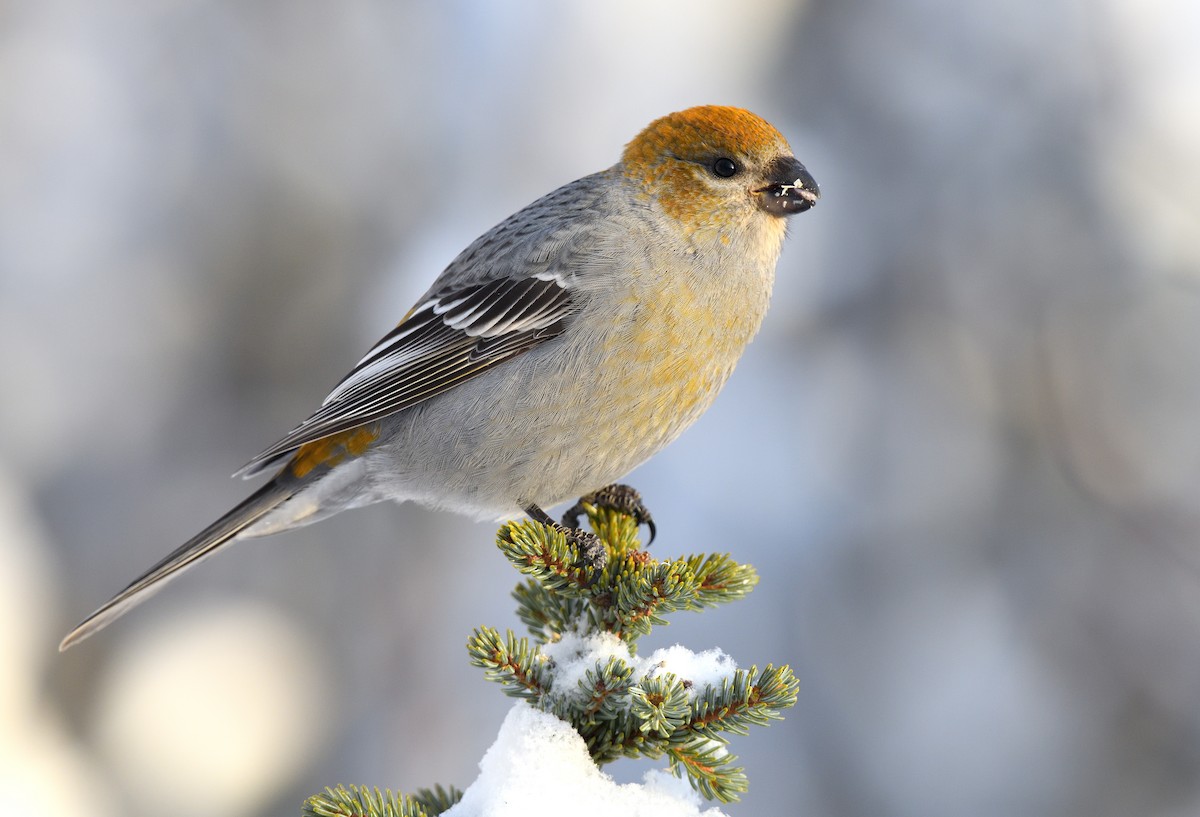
361,801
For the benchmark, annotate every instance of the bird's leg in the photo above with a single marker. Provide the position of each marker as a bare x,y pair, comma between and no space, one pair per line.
591,549
620,498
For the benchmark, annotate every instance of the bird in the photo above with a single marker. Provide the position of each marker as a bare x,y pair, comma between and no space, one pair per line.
557,352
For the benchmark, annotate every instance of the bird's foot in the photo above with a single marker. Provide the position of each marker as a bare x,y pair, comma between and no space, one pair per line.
592,553
620,498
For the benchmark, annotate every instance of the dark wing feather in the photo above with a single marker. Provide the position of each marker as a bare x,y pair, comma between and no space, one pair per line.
451,337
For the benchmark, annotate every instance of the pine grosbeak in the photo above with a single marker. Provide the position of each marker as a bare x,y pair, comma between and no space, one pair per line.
558,351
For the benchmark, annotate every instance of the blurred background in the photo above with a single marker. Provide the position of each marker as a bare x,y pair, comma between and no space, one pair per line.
964,452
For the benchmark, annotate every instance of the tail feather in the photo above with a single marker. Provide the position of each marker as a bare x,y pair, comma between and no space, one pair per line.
194,551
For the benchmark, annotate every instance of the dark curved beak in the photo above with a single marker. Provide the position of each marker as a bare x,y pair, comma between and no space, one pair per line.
790,188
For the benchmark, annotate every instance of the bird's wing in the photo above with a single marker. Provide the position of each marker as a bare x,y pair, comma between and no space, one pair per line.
451,336
513,288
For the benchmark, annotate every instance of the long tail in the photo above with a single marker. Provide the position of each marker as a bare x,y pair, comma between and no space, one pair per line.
194,551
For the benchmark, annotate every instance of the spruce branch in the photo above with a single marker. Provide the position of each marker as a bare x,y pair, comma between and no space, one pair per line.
632,594
741,702
620,705
660,705
511,662
602,691
720,580
543,552
617,714
360,801
643,600
437,799
619,531
549,615
708,766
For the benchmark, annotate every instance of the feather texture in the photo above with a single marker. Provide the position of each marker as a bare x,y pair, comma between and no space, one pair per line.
447,339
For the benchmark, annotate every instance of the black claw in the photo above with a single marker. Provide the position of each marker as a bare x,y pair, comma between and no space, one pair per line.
620,498
570,517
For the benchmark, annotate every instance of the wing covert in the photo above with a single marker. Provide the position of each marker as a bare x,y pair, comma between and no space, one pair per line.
450,337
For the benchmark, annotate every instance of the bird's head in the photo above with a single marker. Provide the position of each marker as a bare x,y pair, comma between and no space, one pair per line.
716,167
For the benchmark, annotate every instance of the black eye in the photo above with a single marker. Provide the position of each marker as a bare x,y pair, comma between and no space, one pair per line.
724,167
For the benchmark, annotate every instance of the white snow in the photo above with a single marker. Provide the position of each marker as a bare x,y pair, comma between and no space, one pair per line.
703,669
574,655
540,767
